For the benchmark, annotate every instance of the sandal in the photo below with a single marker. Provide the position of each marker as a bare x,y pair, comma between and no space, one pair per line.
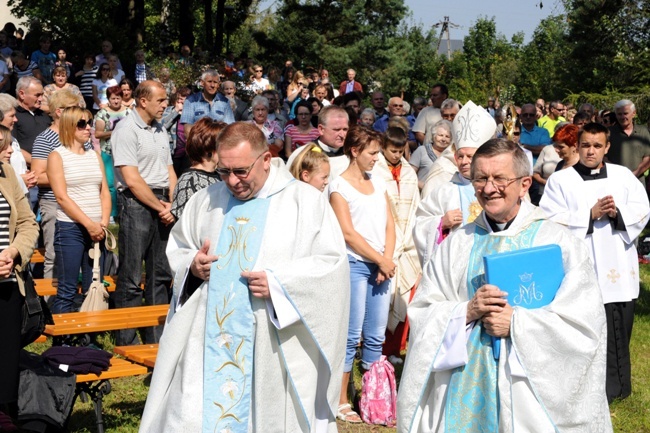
349,415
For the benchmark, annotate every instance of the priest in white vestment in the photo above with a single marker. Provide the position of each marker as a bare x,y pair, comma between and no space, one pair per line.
333,124
453,204
255,337
550,373
606,206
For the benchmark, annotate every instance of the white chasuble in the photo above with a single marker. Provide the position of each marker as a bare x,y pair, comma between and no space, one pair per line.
297,367
551,373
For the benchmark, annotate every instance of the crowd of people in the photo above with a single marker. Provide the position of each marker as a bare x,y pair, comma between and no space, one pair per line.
288,231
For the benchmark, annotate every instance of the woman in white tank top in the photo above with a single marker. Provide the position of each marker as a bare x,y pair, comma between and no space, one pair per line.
361,205
76,175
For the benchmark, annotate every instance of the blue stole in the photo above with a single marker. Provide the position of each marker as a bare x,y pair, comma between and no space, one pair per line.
229,322
473,396
469,206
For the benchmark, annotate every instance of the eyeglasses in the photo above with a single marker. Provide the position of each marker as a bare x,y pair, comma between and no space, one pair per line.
516,133
499,183
258,70
527,114
105,69
241,173
82,123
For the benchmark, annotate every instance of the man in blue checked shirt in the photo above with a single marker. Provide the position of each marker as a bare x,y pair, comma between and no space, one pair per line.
207,103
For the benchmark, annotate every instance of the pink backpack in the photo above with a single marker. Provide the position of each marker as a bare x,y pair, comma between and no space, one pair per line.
378,403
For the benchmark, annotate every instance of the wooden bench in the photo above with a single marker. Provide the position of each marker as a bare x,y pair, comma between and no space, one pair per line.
48,286
38,256
107,320
97,386
144,354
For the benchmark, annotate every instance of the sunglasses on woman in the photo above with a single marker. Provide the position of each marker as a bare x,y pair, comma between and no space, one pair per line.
81,124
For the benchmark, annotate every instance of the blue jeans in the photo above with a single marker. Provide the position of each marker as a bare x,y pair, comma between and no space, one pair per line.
369,304
71,245
142,236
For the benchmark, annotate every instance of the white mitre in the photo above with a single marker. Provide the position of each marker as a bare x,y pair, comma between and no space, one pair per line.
473,126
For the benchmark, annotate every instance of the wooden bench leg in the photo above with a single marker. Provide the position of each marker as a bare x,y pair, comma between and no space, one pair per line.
96,391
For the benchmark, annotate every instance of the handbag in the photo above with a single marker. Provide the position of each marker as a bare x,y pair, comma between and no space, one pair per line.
97,296
36,313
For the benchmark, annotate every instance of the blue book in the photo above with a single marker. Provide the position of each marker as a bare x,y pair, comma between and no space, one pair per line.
531,276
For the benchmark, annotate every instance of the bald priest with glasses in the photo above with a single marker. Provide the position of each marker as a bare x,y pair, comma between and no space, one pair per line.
255,337
549,373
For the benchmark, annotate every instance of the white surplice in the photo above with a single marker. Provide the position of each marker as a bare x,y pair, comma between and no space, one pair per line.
568,200
297,366
551,373
403,201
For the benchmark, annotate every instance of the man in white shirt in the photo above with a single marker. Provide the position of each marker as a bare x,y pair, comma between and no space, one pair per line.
429,116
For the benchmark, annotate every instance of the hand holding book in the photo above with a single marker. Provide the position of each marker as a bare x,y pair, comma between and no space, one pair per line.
532,277
487,299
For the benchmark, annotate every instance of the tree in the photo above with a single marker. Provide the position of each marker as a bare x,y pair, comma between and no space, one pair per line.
75,23
491,61
338,34
545,63
609,42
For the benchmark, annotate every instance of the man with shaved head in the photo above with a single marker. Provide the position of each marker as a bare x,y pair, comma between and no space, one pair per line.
395,108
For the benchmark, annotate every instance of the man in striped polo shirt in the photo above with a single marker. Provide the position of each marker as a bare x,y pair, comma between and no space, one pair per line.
146,179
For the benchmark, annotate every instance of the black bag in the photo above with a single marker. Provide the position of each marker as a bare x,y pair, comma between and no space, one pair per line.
111,263
36,313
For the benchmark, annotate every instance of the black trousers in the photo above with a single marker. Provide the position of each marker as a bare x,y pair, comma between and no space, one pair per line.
11,304
620,319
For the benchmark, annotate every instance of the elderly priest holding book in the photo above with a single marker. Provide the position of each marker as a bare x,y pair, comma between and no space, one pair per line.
550,374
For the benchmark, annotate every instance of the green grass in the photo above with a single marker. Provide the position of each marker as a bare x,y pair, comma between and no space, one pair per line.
633,413
124,405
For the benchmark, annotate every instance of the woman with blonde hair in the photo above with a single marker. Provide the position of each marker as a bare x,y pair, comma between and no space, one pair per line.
78,180
258,83
295,87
